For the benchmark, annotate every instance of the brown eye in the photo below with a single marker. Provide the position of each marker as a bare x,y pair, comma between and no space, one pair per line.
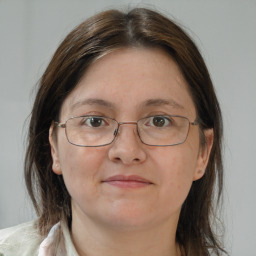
93,121
159,121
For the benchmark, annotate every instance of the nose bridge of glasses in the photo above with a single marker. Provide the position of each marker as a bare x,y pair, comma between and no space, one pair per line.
132,122
117,130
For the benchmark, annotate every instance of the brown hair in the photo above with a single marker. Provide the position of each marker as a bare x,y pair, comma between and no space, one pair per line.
93,38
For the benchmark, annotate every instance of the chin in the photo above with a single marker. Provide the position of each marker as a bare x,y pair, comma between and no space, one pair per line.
128,217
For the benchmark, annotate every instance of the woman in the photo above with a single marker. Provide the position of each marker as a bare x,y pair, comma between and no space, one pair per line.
124,144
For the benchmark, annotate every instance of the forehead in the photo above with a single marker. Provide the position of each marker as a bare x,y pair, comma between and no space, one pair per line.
130,78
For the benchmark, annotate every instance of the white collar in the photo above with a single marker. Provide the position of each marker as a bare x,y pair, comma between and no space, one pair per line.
58,242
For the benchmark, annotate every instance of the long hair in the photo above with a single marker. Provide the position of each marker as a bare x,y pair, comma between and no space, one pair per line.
97,36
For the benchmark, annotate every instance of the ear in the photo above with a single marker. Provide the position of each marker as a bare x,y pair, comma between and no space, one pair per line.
204,154
54,151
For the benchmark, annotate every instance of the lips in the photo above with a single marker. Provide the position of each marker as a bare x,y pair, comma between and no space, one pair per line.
132,181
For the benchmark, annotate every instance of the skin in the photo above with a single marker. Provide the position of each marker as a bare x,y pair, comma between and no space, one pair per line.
112,220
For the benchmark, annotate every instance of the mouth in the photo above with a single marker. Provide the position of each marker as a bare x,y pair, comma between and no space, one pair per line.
132,181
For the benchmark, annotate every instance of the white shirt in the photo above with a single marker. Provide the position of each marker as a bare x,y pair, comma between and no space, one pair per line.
24,240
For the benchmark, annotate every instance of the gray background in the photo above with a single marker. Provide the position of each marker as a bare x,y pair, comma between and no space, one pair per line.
225,31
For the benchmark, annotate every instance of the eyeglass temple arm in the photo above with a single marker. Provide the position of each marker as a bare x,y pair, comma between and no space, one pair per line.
194,123
61,125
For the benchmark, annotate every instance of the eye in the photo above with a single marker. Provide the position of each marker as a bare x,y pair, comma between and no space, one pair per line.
94,121
159,121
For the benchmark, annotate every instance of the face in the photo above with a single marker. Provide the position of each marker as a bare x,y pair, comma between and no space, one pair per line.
120,85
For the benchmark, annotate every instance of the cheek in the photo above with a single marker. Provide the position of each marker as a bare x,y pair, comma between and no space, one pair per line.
80,170
178,162
176,169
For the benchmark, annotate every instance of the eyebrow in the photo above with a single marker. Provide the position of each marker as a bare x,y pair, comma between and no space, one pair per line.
92,101
162,102
147,103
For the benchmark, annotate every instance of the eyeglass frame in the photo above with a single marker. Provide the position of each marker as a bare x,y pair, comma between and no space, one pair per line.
64,125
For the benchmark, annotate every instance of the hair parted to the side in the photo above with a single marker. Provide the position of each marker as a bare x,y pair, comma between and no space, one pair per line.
97,36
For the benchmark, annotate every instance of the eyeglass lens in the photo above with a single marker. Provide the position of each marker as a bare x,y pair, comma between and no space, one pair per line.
91,131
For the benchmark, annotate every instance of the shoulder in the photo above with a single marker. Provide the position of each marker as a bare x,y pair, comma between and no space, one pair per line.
22,240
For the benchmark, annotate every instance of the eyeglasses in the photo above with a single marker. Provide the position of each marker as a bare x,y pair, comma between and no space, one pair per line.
96,131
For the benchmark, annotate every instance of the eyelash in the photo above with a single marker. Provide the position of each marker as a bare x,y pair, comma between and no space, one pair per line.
102,114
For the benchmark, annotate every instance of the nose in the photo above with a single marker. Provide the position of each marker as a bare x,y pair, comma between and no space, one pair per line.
127,147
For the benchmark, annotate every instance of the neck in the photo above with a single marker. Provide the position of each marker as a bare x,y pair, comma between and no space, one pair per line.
92,239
